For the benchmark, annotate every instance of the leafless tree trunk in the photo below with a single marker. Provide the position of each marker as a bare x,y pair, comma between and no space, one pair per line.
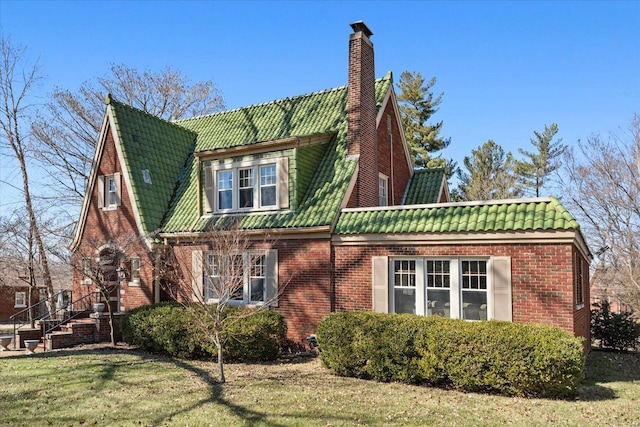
17,79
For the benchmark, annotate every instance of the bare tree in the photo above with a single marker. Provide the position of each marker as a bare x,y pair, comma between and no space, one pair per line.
232,271
18,77
601,183
70,126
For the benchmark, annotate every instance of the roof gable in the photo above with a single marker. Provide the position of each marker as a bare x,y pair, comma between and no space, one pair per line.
153,153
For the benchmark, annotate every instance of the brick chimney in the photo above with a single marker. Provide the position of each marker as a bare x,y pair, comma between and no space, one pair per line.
361,115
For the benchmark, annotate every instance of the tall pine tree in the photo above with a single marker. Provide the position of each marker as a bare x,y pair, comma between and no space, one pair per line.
534,171
489,175
417,105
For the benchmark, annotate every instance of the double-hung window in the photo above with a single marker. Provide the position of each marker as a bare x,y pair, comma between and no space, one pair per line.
109,193
383,190
464,288
20,300
237,279
246,186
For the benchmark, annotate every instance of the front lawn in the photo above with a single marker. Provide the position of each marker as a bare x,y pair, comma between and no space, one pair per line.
126,387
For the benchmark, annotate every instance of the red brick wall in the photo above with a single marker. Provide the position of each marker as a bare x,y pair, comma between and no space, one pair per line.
304,280
401,172
542,278
117,226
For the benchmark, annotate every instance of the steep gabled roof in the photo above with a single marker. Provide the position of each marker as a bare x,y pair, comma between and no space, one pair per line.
316,113
425,186
154,145
466,217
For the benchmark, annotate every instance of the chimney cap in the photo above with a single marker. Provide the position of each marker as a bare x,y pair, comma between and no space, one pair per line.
361,26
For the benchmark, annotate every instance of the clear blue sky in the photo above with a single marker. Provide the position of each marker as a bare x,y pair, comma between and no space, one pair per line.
506,68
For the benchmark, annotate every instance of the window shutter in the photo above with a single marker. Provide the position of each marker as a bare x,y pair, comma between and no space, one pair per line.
272,277
117,179
101,191
502,307
198,276
208,188
283,182
380,280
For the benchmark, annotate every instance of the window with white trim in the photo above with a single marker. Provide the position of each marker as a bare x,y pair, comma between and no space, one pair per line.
383,190
238,279
109,191
246,186
134,265
86,271
448,287
20,300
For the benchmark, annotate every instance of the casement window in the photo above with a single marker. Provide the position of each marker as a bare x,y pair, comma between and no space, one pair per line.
383,190
109,191
461,288
578,278
86,271
246,186
20,300
248,278
134,265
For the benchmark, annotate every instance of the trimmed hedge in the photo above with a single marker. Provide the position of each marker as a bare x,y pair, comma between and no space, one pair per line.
170,328
495,357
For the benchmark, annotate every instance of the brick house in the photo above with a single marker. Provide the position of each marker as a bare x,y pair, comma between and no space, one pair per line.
358,228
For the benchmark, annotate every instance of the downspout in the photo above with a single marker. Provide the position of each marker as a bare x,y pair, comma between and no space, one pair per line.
392,189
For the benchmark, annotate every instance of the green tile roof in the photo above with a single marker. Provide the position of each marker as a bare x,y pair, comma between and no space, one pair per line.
315,113
153,144
424,187
501,215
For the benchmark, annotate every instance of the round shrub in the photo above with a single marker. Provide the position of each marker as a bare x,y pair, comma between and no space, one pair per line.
496,357
170,328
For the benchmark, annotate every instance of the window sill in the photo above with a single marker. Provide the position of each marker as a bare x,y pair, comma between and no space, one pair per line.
20,306
579,306
134,283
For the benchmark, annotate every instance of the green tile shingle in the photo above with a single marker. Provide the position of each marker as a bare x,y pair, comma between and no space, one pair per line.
507,215
424,187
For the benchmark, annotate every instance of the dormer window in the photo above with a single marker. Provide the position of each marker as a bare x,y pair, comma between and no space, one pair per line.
247,186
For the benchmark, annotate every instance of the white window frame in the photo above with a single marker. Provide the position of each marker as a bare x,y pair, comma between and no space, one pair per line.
210,273
20,300
212,183
134,268
105,191
383,190
422,303
86,271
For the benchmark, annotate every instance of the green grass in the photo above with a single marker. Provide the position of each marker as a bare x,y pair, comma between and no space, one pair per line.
120,387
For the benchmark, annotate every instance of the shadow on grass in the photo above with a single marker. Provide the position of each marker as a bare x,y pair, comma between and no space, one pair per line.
608,367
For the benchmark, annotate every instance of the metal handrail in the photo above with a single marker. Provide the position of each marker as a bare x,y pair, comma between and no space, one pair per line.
31,319
81,302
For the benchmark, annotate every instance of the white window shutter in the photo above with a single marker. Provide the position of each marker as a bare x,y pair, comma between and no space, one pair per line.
272,277
198,276
502,305
209,192
101,192
117,178
283,182
380,280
